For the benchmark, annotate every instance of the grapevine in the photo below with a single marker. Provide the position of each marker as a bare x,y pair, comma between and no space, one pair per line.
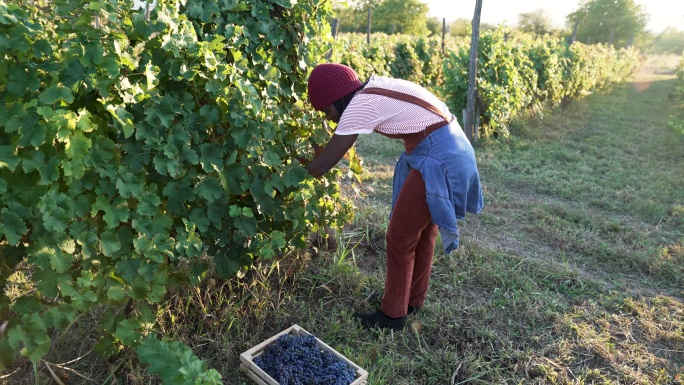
514,75
141,151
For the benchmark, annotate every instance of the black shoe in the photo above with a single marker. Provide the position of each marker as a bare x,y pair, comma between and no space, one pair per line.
380,320
377,296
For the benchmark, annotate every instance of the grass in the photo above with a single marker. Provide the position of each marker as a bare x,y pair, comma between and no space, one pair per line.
571,275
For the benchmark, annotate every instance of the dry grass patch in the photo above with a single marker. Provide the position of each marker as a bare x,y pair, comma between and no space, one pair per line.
633,340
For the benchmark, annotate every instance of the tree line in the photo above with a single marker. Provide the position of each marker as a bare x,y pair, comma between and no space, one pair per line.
620,23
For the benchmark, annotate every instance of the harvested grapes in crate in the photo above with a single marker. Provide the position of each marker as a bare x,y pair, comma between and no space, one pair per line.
296,357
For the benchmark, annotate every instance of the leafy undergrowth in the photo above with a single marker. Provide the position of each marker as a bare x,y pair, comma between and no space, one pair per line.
571,275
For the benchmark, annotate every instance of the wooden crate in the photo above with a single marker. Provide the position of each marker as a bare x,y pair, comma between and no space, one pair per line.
262,378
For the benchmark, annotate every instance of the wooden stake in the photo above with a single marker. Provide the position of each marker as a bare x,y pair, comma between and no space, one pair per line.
469,121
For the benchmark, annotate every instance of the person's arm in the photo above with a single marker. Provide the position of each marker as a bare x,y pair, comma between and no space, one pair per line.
328,157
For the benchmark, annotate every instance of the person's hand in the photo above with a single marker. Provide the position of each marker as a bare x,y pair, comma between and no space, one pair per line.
331,154
302,159
318,149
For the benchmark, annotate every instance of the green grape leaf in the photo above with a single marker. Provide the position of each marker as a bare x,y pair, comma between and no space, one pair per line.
116,213
8,158
93,54
268,188
278,239
167,166
200,219
67,286
18,119
151,73
178,193
56,219
209,189
294,176
175,363
77,145
73,73
32,161
109,243
227,265
123,119
84,300
272,159
33,333
266,252
189,155
149,203
116,292
74,168
18,81
27,304
126,331
85,123
60,316
32,135
49,282
157,289
6,351
126,58
8,18
242,138
198,272
56,93
211,159
49,172
59,260
129,185
89,244
126,237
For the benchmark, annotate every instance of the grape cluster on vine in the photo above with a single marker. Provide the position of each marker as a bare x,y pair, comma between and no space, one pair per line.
298,360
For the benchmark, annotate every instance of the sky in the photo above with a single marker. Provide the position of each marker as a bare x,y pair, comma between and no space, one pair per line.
663,13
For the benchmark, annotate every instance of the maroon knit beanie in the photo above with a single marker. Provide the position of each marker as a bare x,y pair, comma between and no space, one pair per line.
329,82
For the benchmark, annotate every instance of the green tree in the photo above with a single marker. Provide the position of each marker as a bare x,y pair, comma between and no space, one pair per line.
434,25
353,16
459,27
537,22
349,19
671,40
401,16
616,22
388,16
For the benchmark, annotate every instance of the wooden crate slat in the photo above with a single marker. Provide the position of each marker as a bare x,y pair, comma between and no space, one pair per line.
262,378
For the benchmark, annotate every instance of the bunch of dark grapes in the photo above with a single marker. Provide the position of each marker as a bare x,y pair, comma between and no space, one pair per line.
297,360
